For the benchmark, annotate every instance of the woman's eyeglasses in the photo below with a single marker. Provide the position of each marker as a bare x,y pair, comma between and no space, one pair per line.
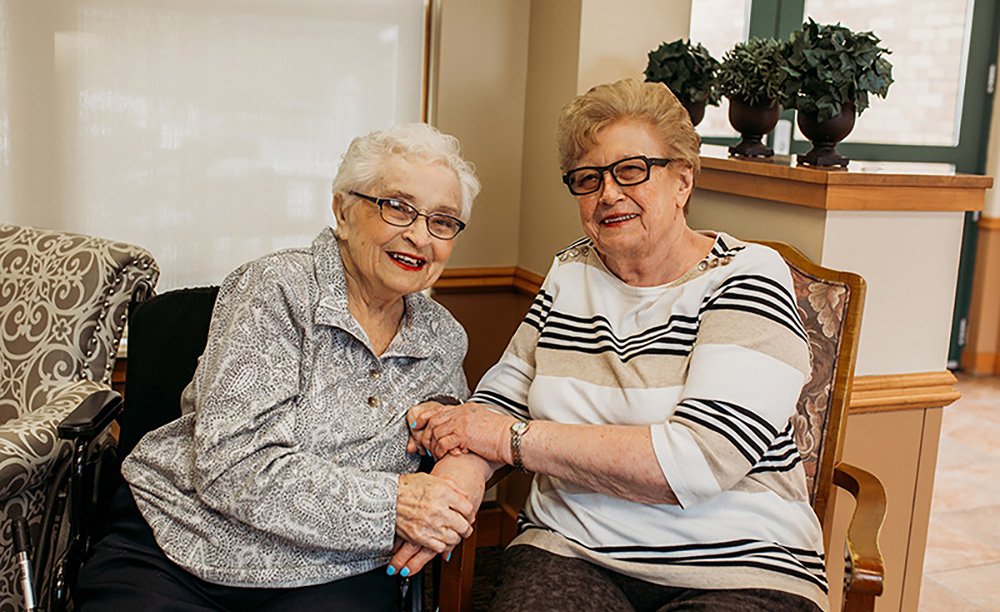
626,172
401,214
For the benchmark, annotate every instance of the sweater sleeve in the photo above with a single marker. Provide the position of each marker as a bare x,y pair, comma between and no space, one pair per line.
747,368
505,386
249,465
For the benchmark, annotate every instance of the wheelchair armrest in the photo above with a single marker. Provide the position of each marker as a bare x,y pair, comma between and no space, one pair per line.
92,416
867,569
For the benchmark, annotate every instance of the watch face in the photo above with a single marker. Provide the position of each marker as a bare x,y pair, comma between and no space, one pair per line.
519,427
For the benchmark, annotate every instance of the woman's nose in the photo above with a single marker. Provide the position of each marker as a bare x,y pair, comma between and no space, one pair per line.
417,232
610,189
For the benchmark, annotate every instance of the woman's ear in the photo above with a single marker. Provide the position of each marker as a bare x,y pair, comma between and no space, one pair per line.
339,214
338,207
686,176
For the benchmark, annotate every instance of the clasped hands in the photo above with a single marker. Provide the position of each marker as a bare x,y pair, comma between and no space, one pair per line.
435,511
453,430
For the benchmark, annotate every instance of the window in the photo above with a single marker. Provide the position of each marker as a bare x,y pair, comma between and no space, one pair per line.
930,43
207,131
719,24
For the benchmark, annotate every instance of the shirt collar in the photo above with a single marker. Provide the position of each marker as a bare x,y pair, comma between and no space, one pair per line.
416,336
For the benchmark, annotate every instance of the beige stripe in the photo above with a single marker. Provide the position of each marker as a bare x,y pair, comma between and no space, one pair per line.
790,486
522,343
607,370
756,333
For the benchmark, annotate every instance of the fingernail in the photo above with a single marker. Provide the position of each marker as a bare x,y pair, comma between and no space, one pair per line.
391,570
405,572
413,424
447,557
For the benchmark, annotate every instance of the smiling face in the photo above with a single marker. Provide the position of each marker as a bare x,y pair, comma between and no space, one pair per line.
633,225
384,262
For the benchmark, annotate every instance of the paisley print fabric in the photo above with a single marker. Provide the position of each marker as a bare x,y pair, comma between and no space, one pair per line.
283,469
63,302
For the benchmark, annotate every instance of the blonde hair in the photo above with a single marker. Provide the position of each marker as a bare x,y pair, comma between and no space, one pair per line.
362,164
653,103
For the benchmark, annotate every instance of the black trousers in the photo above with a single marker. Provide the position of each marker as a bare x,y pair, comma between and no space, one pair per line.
535,580
128,571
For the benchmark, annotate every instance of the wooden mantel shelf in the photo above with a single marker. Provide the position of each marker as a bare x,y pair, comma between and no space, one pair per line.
890,187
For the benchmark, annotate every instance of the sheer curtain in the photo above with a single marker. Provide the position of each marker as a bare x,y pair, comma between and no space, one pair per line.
207,131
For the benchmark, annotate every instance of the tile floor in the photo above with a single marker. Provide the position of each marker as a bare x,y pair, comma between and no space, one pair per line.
962,564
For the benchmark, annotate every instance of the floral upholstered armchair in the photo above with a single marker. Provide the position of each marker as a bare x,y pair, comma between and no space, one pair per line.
63,304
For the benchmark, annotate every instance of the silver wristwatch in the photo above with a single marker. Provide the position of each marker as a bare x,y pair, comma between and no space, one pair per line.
517,431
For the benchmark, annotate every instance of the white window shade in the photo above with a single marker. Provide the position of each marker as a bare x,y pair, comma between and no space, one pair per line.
207,131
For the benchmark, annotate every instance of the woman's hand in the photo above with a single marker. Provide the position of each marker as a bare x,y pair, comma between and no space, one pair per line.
432,512
469,474
457,429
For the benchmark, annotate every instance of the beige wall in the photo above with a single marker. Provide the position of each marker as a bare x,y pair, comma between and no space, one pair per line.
911,291
500,89
482,75
574,46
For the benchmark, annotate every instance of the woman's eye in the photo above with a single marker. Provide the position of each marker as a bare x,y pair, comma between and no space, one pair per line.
630,171
588,179
397,206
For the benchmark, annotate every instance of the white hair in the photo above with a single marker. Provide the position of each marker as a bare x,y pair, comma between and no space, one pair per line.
362,164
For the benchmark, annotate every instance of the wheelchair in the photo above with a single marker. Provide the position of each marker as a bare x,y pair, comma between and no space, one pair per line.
167,334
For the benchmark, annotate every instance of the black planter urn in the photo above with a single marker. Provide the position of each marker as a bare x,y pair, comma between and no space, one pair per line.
696,110
824,136
753,122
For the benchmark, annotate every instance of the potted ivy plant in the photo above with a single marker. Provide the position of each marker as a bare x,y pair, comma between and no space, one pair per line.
689,71
751,77
831,71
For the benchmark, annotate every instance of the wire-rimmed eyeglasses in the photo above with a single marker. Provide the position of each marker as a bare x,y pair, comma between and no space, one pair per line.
626,172
401,214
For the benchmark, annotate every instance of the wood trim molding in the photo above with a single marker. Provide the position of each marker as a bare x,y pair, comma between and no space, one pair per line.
883,393
841,189
989,223
466,280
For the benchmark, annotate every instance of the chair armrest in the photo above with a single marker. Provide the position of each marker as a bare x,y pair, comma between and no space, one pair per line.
29,443
499,475
866,570
92,416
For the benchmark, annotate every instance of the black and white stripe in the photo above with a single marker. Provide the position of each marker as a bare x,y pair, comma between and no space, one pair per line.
804,564
746,293
746,430
483,396
538,314
721,249
758,295
782,456
595,335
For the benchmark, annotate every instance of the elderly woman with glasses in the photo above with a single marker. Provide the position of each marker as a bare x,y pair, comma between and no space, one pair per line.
286,484
650,389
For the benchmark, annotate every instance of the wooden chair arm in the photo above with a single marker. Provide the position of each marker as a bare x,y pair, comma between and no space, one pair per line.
499,475
865,573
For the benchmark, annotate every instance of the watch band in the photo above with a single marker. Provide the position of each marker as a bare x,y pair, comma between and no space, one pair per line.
517,431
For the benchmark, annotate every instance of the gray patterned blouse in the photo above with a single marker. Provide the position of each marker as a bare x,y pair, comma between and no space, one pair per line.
283,469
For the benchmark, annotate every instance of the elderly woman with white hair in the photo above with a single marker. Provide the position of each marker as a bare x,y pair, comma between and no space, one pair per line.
286,484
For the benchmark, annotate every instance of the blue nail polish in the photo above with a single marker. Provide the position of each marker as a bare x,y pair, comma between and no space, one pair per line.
405,572
413,424
447,557
391,570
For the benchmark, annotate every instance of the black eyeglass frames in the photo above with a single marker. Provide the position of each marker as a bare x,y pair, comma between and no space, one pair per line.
401,214
626,172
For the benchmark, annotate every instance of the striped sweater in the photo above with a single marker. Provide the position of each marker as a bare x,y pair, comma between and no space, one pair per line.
713,363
